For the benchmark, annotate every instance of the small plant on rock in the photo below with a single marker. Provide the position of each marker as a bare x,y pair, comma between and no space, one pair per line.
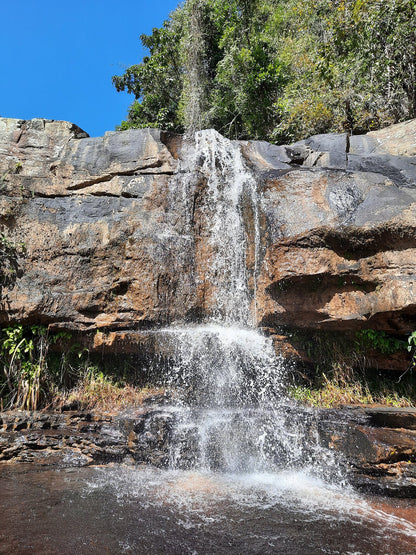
379,341
412,347
9,263
23,354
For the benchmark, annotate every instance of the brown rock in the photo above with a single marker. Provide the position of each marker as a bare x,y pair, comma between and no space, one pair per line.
117,239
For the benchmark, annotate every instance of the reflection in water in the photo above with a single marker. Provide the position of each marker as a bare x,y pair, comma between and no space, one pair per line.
141,510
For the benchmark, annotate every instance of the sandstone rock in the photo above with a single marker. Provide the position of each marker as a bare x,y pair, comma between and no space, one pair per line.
341,235
390,152
95,214
84,438
117,228
379,445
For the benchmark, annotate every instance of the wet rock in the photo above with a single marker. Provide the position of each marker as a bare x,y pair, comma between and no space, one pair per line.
378,445
153,438
377,456
388,417
66,439
79,438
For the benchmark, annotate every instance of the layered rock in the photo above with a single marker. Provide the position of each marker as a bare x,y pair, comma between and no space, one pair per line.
116,238
377,447
341,252
102,244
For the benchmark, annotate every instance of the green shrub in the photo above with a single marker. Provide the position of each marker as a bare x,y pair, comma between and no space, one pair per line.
379,341
23,353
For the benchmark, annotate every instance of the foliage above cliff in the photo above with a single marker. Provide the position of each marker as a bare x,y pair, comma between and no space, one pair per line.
277,69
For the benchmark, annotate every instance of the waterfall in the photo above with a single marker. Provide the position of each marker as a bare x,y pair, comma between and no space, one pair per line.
229,185
232,414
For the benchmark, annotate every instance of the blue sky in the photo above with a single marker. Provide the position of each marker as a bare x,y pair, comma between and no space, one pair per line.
57,58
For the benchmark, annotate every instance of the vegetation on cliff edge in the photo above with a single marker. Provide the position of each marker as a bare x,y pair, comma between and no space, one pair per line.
345,371
277,70
40,369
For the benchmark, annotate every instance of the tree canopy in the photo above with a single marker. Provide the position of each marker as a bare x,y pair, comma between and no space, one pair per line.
277,69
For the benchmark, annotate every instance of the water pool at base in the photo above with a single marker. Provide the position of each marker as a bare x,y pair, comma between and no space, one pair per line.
121,509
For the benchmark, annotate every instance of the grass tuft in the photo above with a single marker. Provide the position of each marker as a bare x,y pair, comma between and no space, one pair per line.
354,389
95,391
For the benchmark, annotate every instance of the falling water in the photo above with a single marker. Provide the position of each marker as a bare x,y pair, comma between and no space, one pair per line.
229,186
232,413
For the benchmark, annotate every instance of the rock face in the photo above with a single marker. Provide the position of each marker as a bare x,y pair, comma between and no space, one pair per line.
101,242
342,233
116,239
377,447
84,438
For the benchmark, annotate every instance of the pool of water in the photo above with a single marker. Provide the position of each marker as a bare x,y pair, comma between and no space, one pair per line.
122,509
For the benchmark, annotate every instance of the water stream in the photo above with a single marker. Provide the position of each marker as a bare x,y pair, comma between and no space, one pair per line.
230,188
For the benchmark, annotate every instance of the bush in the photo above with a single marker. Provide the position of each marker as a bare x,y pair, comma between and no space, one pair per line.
23,353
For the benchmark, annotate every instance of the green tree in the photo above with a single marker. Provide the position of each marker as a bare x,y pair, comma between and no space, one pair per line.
250,76
277,69
211,64
387,44
357,63
156,82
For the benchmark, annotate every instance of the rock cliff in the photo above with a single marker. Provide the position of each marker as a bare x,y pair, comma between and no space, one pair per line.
115,235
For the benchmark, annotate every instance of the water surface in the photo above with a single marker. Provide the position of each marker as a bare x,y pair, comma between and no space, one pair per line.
120,509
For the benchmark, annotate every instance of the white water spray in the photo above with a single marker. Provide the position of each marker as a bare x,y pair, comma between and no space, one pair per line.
230,188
